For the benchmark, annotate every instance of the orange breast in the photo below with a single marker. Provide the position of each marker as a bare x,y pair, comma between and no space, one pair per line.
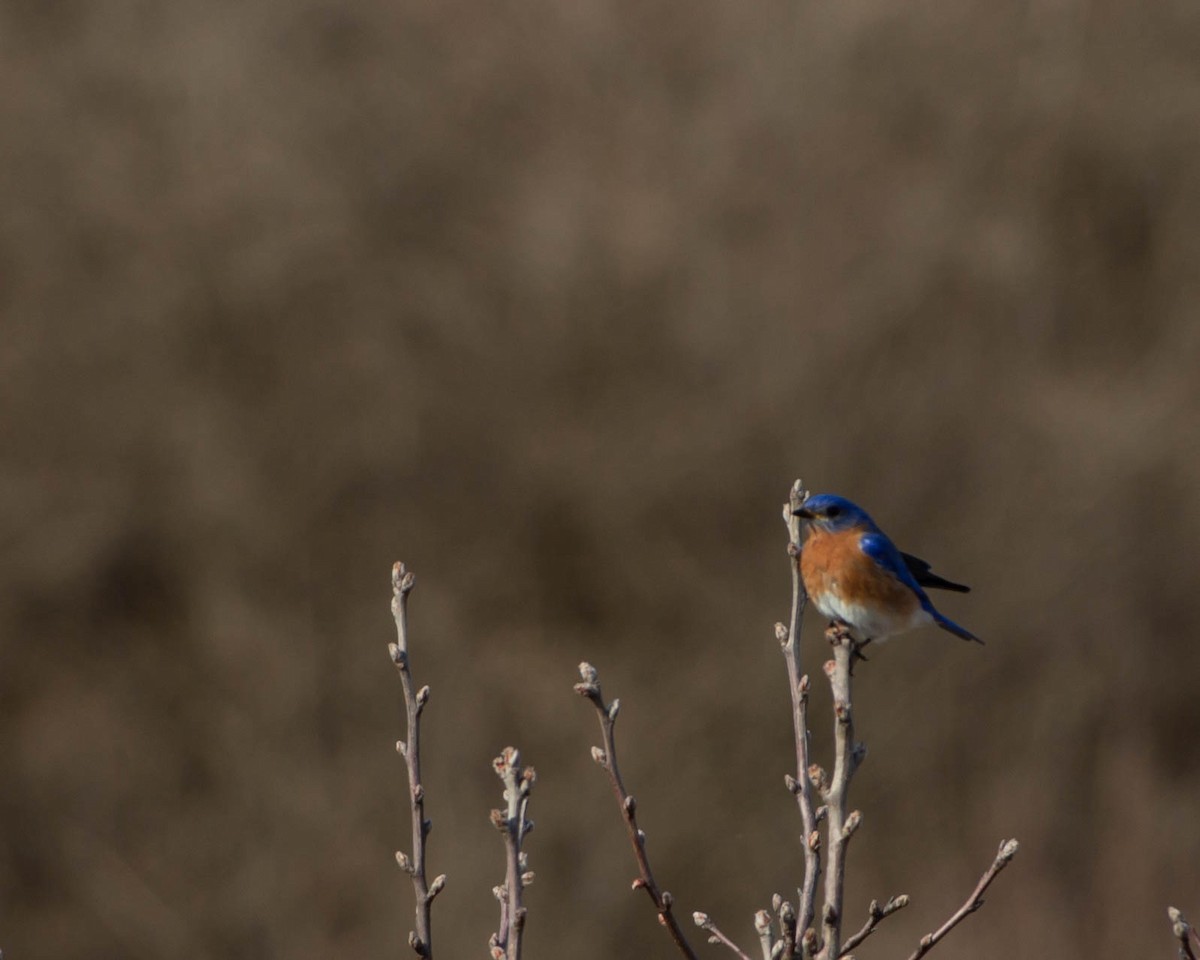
833,563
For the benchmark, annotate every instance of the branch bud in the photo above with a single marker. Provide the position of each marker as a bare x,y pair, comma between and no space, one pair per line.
762,923
527,878
1008,850
667,900
423,696
700,919
792,784
499,819
402,748
438,885
852,823
776,902
614,708
403,861
782,634
588,674
630,805
599,756
895,903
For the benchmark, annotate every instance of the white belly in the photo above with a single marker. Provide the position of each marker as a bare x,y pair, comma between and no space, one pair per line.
870,623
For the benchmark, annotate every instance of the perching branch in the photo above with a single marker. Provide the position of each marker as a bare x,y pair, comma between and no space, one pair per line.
1184,932
800,785
848,754
1008,850
703,921
421,939
505,944
607,758
875,914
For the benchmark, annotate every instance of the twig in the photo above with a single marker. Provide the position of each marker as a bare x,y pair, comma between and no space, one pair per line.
703,921
848,754
505,944
607,758
421,939
766,936
1008,849
800,785
786,947
1184,932
875,914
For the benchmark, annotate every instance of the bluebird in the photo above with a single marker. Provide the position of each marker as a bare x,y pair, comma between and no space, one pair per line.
854,573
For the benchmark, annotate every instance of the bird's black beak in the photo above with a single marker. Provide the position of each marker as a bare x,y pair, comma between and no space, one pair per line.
804,513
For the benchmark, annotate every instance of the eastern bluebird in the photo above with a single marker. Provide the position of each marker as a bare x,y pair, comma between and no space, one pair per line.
855,574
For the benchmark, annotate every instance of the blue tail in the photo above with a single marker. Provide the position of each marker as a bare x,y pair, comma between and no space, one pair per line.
951,627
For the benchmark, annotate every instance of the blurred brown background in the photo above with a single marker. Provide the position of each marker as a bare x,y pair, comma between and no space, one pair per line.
552,301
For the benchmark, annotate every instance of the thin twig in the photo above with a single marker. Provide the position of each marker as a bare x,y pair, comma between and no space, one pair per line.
786,913
848,754
607,758
875,914
421,939
505,944
766,936
1184,932
703,921
1008,849
800,785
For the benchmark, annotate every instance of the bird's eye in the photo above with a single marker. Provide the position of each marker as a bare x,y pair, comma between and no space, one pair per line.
833,512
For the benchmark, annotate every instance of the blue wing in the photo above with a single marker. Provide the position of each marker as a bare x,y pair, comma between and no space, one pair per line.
880,549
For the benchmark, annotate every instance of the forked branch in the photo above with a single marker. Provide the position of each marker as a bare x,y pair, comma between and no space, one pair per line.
505,943
1008,850
606,757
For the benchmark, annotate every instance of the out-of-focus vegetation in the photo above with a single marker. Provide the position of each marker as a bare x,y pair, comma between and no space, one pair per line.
553,301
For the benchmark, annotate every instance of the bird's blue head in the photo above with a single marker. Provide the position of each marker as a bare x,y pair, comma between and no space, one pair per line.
831,513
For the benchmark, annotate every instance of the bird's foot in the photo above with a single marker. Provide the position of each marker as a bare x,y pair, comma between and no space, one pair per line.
856,653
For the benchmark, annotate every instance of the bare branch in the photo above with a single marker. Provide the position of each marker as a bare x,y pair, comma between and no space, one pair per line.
1008,849
1184,932
505,944
800,785
875,914
786,913
703,921
766,936
607,758
421,939
848,754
